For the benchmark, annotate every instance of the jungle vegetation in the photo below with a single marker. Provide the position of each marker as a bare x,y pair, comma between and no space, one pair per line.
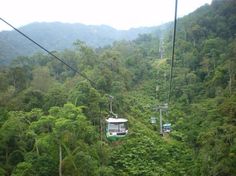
51,119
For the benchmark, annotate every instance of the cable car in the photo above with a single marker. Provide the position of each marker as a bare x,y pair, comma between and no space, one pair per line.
153,120
166,127
115,127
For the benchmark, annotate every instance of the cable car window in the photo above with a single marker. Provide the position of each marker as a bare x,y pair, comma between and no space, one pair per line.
122,127
117,127
113,127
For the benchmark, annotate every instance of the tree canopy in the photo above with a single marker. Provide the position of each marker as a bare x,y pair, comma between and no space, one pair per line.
52,120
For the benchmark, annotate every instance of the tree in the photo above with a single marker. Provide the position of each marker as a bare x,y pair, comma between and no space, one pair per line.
41,79
85,95
18,78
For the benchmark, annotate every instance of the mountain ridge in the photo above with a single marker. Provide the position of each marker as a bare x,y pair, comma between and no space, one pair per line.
59,36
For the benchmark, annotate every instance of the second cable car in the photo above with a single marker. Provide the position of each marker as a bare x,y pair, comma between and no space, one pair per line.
167,128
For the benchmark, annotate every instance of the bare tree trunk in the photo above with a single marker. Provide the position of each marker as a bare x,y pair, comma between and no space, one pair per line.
14,82
6,156
231,76
230,84
37,149
60,160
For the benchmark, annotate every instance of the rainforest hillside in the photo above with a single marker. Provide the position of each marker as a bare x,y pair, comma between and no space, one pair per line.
52,119
59,36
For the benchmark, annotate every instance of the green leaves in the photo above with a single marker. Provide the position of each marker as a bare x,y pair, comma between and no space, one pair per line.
144,156
30,140
64,137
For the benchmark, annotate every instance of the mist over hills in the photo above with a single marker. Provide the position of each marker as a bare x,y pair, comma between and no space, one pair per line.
59,36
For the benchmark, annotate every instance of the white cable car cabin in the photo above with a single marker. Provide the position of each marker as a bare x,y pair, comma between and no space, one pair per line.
153,120
116,128
167,128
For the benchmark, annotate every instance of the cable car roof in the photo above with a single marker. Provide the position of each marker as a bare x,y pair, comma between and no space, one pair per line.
116,120
167,124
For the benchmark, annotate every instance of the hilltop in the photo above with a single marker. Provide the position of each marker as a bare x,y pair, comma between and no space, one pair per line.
59,36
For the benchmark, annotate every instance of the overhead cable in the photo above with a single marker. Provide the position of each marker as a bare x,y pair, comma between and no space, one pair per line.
54,56
173,51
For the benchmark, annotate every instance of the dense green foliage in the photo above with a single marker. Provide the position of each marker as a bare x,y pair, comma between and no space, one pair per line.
52,120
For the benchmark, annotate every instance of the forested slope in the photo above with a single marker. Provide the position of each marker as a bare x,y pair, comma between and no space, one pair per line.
59,36
51,118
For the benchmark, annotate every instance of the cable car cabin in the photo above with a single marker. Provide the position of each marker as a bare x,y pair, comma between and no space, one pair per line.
166,127
116,128
153,120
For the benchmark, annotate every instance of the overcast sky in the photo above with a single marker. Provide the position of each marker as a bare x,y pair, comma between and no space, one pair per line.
120,14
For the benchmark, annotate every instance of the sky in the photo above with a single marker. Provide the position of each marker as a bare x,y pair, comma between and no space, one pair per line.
120,14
